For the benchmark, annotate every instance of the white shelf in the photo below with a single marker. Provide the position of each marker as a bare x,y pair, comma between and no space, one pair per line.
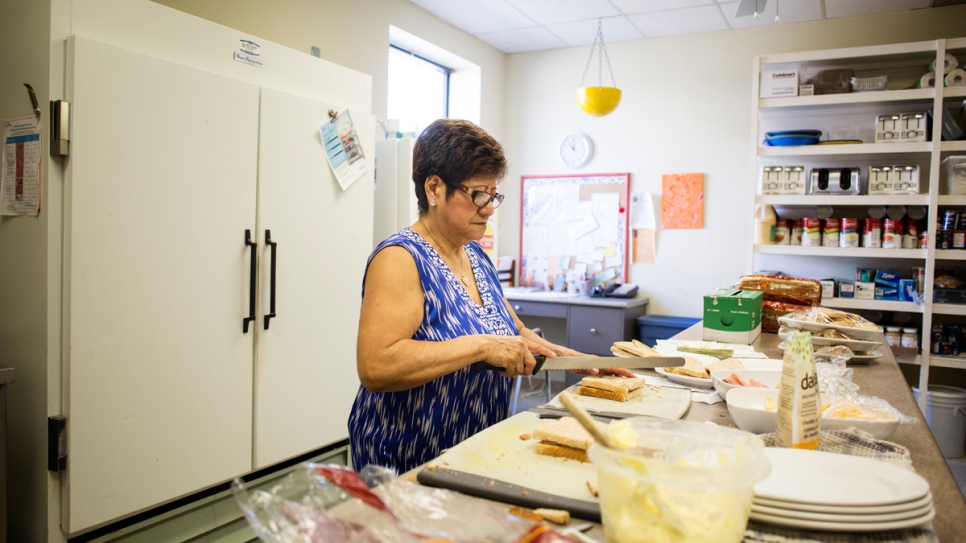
908,359
863,252
948,146
952,200
860,200
880,305
950,254
848,98
948,309
847,150
947,361
954,92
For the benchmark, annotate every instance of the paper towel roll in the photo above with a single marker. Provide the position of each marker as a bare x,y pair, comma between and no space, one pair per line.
956,78
949,64
927,81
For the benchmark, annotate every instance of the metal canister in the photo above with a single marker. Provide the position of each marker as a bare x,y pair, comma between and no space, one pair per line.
891,234
936,338
910,236
849,236
798,230
830,232
812,232
950,220
872,233
924,239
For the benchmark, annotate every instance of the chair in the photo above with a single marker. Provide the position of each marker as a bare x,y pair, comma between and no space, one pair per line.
515,397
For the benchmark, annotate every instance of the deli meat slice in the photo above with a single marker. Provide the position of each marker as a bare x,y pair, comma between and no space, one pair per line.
737,380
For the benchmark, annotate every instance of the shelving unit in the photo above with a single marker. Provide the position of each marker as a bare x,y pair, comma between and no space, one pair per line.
856,112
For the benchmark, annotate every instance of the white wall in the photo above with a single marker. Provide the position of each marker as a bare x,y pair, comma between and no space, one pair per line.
686,107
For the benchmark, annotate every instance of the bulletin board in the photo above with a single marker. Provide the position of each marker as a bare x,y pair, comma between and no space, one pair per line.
575,226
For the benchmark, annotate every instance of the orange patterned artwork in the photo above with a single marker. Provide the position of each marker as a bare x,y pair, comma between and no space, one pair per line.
682,200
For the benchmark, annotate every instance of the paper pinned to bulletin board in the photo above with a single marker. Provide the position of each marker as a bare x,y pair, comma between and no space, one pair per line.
682,200
574,226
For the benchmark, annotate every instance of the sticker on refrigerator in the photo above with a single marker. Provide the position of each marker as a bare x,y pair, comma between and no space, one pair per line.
248,53
343,148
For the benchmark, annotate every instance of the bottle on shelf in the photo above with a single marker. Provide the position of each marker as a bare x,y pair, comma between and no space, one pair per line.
765,220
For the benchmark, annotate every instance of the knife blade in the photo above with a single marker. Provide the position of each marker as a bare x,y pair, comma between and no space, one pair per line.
587,362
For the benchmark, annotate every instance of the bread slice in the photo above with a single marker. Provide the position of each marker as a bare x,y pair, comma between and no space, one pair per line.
691,368
622,396
633,348
557,516
525,513
565,431
726,364
548,448
613,383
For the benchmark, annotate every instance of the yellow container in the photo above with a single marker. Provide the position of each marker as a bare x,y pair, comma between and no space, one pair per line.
598,101
678,482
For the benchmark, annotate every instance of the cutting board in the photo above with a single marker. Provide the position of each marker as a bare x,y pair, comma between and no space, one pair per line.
661,402
499,455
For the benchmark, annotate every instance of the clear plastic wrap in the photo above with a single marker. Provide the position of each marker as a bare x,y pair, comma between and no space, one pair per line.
948,281
834,317
333,504
864,408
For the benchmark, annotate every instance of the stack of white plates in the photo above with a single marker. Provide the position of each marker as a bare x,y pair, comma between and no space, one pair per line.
826,491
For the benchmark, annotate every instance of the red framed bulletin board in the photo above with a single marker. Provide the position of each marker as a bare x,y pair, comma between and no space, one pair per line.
571,225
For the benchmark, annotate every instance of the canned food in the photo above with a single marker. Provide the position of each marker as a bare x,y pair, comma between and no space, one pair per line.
798,230
944,239
812,232
891,234
830,233
910,237
950,220
872,233
783,231
958,239
924,239
849,235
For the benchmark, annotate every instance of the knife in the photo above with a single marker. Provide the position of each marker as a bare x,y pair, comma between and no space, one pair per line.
587,362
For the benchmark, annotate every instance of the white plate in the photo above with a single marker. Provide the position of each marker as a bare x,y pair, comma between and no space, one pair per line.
843,517
851,526
840,509
859,358
854,344
769,378
855,333
685,380
662,402
817,477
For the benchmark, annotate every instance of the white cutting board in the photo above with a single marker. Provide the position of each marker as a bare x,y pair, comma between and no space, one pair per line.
499,453
662,402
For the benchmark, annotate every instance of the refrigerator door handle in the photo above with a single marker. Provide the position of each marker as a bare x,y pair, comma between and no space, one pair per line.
251,284
271,303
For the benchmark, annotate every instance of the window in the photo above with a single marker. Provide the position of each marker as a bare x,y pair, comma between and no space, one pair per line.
418,90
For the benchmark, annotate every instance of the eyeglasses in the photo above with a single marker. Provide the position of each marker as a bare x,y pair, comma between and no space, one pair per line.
482,198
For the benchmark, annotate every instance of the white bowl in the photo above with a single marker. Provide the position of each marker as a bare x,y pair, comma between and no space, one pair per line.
769,378
747,408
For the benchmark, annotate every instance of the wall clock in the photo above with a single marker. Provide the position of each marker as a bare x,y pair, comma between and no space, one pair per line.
576,149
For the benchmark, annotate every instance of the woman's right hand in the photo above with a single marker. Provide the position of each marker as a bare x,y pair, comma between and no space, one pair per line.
514,354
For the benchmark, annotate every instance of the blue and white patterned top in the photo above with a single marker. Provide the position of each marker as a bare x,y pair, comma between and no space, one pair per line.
402,430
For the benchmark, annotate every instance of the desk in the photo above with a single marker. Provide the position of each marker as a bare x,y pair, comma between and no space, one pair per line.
592,324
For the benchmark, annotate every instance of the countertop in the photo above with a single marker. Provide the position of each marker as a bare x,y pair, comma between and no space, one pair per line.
529,295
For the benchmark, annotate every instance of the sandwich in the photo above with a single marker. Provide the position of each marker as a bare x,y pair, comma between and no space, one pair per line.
692,368
728,364
563,438
633,348
611,387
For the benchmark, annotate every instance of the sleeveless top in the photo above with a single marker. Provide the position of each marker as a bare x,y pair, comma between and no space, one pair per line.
402,430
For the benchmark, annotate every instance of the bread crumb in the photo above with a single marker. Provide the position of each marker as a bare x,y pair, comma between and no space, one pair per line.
525,437
432,467
721,415
447,463
411,478
526,492
492,483
592,485
557,516
526,514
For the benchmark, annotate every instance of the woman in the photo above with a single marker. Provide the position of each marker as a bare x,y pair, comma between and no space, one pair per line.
432,306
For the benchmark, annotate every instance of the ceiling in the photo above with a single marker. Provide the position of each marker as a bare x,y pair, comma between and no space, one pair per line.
516,26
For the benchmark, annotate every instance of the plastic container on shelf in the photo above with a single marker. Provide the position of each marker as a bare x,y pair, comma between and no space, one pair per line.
678,481
893,335
765,220
946,416
952,175
873,83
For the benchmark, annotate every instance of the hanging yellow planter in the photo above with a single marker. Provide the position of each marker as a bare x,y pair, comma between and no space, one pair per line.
598,101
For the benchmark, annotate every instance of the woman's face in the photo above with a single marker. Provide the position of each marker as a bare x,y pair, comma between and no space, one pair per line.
459,216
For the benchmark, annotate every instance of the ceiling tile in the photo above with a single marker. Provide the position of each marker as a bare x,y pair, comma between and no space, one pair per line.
583,32
477,17
646,6
852,8
521,40
680,21
548,12
790,11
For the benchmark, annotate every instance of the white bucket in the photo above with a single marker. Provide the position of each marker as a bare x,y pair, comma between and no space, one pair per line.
946,415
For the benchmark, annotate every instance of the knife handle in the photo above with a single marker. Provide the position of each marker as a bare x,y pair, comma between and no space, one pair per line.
483,366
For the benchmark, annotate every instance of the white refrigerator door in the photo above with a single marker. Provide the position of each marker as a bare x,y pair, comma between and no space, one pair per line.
161,186
305,378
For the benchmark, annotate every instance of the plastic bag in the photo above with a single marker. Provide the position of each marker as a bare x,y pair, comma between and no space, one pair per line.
948,281
859,407
834,378
333,504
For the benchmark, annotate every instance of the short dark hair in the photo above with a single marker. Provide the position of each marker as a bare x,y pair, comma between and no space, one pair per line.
455,150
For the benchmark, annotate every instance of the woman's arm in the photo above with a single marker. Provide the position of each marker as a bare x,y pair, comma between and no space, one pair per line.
388,359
